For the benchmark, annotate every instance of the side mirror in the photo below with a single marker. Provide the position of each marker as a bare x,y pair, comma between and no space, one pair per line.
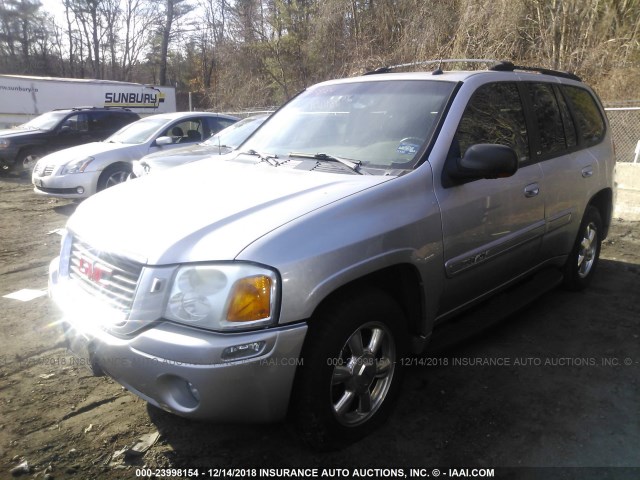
160,141
484,160
65,130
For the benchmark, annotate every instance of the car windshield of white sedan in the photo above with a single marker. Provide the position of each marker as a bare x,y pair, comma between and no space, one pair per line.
381,125
137,132
46,121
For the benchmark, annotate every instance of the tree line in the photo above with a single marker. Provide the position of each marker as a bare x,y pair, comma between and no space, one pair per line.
258,53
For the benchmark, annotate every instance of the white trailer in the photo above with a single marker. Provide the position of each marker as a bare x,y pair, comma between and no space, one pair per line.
23,97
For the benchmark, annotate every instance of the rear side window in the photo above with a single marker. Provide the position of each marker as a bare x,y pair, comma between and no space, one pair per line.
109,121
116,120
551,136
494,115
77,123
591,126
569,126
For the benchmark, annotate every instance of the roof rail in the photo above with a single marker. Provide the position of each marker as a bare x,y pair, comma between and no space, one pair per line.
495,65
510,67
106,107
433,62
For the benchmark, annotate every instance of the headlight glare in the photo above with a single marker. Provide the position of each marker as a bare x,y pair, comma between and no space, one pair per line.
77,166
229,296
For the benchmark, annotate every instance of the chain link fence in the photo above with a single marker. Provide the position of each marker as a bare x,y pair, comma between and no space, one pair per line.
625,127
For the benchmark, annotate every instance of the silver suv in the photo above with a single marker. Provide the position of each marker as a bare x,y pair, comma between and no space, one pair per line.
295,276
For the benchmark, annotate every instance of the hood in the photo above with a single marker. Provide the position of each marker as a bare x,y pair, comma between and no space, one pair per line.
178,156
205,211
20,132
191,150
62,157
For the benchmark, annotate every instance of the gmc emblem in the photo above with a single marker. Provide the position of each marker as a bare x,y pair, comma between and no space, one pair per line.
94,271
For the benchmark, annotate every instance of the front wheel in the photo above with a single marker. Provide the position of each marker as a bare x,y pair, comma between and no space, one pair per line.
26,160
350,374
113,175
583,260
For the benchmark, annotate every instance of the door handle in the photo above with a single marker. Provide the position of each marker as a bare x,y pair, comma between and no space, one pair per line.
587,172
531,190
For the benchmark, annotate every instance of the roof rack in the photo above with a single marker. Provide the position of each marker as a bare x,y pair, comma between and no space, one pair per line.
495,65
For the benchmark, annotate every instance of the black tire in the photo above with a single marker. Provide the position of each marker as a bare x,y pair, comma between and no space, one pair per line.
350,375
585,255
113,175
26,160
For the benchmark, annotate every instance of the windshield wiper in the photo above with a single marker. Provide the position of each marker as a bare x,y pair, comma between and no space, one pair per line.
325,157
270,158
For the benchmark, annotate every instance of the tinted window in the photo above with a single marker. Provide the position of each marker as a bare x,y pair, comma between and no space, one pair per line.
77,123
217,124
117,120
494,115
569,126
587,114
548,119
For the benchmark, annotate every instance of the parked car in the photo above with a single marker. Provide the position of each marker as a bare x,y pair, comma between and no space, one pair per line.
81,171
298,275
21,147
221,143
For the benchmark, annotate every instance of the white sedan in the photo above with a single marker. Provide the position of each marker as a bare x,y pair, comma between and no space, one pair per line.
81,171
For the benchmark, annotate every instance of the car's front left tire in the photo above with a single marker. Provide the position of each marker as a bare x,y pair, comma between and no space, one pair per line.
350,375
113,175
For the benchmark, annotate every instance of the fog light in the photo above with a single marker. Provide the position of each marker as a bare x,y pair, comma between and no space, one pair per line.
80,190
246,350
193,391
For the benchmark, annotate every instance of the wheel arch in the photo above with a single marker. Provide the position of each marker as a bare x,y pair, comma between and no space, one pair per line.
110,167
603,201
402,282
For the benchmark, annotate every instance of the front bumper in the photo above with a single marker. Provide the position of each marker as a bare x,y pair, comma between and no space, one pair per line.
73,185
182,369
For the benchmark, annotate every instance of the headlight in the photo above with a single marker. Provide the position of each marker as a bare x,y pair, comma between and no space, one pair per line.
224,297
77,166
4,143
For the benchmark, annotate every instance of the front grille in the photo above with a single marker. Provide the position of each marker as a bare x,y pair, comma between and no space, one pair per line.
109,277
43,170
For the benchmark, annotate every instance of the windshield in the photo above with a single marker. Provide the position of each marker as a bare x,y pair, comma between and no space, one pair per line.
137,132
382,124
237,133
46,121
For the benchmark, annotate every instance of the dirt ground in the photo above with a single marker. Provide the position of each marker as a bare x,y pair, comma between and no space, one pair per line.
562,391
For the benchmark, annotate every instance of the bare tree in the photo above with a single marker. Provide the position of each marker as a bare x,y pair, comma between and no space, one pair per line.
174,10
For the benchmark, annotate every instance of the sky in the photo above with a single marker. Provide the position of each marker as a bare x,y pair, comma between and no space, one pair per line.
55,8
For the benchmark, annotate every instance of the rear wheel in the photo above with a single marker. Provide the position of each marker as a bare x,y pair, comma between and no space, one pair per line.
584,257
350,375
113,175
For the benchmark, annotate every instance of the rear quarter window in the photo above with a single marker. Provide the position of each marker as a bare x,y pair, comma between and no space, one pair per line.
591,126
